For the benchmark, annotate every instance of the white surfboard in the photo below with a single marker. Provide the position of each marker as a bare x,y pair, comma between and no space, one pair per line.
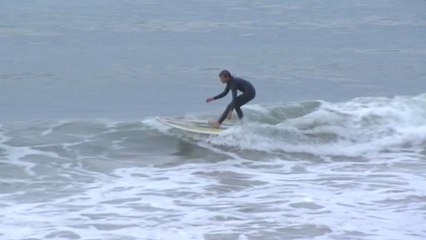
195,126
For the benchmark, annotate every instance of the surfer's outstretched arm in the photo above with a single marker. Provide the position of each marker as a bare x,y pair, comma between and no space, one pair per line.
221,95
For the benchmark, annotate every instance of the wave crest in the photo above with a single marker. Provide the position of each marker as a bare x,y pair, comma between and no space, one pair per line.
360,126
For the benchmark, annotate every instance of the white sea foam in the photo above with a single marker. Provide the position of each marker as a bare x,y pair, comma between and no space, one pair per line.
236,198
302,170
351,170
354,128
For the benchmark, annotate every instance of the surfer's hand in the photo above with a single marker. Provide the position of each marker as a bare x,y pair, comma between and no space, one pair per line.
209,100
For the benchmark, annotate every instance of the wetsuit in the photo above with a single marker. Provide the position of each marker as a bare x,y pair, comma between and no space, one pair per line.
235,84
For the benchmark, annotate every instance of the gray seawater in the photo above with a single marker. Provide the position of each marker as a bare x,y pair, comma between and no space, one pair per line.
333,147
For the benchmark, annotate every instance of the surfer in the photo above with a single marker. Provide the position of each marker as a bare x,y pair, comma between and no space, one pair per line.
233,84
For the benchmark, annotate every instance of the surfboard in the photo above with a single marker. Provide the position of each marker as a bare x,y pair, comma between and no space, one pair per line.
194,126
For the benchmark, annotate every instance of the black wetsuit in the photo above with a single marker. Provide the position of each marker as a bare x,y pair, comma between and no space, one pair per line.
235,84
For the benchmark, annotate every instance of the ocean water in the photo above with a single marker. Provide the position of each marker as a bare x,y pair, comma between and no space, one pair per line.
333,146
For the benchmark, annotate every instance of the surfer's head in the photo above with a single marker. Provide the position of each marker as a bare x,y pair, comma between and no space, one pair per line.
225,75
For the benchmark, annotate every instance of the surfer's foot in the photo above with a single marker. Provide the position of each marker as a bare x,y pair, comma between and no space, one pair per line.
214,124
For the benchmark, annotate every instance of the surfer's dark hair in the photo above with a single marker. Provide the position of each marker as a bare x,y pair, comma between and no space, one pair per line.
225,73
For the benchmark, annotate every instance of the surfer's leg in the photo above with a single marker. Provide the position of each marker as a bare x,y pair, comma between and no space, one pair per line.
241,100
239,112
224,114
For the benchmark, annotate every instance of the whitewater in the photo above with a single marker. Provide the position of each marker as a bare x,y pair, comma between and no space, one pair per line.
302,170
333,147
